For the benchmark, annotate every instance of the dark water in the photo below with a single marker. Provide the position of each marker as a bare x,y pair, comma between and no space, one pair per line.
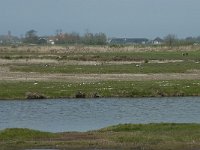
84,115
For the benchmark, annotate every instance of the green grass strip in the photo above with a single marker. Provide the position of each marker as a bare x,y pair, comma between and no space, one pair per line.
18,90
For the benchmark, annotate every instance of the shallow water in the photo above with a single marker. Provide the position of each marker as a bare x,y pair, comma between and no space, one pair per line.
91,114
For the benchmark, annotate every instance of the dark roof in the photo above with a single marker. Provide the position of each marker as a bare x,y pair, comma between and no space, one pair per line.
158,39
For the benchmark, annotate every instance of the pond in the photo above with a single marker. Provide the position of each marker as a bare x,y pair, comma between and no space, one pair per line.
90,114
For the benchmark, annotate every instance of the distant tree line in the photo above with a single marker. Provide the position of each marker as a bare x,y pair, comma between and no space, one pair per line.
66,38
31,37
172,40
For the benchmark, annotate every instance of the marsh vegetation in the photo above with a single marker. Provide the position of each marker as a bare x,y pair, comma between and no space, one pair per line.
128,71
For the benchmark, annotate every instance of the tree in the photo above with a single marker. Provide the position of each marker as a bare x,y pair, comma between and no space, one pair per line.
170,40
74,37
94,39
31,37
100,39
88,39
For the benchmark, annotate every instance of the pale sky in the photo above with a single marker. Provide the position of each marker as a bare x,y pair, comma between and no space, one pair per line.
116,18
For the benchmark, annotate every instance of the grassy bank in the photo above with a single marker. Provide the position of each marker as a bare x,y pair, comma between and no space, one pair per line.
18,89
128,136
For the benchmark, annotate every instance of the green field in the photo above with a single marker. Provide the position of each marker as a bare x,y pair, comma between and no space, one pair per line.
178,67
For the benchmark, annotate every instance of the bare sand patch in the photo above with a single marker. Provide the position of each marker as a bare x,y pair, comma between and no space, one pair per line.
26,61
74,62
6,75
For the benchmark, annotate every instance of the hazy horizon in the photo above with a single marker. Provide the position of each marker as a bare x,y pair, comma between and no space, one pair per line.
116,18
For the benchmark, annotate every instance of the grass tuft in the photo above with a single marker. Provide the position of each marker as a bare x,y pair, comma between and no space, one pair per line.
23,134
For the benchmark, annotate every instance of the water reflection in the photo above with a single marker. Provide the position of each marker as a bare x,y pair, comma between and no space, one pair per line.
84,115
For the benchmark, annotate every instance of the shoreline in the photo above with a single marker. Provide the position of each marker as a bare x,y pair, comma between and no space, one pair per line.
92,98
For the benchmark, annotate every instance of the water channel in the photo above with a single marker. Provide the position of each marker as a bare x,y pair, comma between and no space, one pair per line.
90,114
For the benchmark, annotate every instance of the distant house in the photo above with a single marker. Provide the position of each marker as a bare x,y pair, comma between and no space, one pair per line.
128,41
46,40
51,42
157,41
